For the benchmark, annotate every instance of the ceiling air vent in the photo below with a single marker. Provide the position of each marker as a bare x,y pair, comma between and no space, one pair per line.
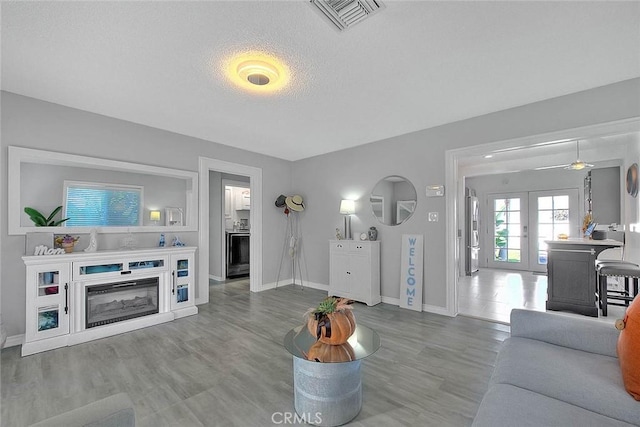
346,13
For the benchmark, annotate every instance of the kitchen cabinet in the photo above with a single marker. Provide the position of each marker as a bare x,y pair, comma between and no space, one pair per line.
571,274
243,200
355,270
229,203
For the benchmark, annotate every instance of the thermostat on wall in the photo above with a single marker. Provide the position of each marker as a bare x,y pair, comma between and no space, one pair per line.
435,190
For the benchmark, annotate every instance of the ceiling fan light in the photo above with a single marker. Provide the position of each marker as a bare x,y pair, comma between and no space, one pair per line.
578,165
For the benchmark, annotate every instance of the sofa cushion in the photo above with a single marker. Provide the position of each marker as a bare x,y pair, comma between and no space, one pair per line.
629,349
507,405
588,380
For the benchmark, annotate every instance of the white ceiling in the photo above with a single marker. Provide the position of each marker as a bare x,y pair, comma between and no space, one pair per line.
413,65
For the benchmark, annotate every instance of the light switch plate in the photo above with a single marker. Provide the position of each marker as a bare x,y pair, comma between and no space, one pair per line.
433,216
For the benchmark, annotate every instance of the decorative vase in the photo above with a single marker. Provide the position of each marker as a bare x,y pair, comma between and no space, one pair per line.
373,233
68,247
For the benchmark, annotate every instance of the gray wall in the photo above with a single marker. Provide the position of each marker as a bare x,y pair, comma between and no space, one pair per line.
27,122
420,157
323,180
605,195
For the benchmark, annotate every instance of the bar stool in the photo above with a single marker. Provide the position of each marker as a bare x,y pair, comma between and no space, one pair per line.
625,269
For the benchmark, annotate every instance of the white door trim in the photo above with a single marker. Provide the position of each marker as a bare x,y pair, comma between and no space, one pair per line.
455,198
205,165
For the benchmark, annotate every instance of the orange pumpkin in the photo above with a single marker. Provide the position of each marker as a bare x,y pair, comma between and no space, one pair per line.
321,352
332,328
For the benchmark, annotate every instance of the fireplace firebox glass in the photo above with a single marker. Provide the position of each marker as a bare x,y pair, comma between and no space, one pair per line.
115,302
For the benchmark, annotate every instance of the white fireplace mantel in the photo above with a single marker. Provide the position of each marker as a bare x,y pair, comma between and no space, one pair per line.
56,286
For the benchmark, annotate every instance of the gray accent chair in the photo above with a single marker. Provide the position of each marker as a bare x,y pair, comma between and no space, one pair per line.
112,411
557,370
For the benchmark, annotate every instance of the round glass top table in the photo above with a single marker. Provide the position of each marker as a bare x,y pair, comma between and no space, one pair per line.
328,393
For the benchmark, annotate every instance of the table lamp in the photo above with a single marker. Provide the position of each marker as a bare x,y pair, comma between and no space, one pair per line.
154,216
347,208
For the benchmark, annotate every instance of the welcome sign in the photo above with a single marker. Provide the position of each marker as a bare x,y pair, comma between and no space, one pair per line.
411,267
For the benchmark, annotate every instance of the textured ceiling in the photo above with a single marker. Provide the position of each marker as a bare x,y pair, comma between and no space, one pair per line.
412,66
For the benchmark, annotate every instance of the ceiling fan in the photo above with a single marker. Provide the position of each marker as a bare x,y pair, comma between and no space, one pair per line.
576,165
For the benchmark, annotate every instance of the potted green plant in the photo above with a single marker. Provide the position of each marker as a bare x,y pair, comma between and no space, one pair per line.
41,221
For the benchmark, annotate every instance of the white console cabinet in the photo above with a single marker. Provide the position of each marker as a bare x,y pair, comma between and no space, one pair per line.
355,270
79,297
182,283
47,311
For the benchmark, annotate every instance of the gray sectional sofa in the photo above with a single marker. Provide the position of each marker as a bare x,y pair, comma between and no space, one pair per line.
557,370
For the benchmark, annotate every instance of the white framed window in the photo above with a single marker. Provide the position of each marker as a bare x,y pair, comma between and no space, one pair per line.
96,204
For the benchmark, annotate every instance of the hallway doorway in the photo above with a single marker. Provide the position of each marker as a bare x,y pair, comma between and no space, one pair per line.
206,165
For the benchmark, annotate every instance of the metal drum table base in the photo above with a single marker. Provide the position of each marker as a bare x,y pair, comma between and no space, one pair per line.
327,394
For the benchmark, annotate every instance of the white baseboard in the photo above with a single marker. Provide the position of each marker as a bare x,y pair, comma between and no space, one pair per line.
436,309
313,285
392,301
305,284
425,307
14,341
387,300
216,278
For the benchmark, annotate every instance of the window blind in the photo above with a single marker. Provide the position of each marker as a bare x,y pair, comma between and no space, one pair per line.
89,204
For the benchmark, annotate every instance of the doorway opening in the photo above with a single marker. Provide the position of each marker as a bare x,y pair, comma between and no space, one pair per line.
212,232
607,142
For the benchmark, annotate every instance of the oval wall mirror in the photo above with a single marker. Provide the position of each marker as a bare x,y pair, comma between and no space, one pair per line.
393,200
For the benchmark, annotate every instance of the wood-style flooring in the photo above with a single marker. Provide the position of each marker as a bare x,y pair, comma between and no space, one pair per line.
491,294
227,366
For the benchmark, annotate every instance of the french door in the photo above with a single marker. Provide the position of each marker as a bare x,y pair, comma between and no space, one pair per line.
554,212
508,231
521,222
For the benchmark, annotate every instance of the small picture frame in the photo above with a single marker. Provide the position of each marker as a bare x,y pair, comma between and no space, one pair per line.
173,217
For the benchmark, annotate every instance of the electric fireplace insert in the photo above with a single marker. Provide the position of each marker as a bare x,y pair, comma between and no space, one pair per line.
115,302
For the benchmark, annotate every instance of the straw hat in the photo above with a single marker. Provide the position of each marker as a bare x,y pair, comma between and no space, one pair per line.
295,203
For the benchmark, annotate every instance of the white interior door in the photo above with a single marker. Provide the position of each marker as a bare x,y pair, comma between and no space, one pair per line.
507,231
551,213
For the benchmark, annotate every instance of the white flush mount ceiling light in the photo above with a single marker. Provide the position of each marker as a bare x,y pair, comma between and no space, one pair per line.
257,72
578,164
346,13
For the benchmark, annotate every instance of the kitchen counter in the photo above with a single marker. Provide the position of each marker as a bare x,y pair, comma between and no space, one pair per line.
610,243
572,274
